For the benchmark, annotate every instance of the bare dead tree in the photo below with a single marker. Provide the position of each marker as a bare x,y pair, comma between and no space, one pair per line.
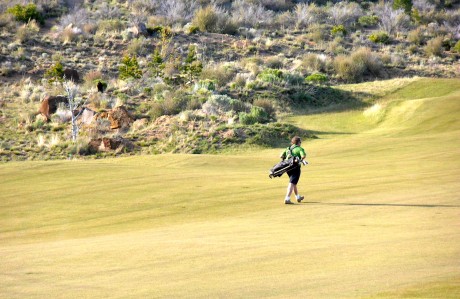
74,103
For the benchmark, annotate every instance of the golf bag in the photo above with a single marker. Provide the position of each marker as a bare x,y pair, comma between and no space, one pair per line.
284,166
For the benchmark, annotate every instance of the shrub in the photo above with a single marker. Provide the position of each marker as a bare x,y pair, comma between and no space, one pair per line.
55,72
270,75
434,46
217,104
137,46
206,19
26,13
129,68
250,15
193,29
368,21
415,36
268,106
456,48
220,73
274,62
27,31
338,30
313,63
293,78
256,115
380,37
316,78
361,63
205,84
110,26
344,12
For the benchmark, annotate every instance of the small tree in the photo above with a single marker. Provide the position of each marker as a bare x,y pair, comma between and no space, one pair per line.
193,66
26,13
55,73
130,68
71,90
157,64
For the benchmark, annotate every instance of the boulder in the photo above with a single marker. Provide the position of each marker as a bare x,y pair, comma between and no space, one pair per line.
49,105
120,118
72,75
87,116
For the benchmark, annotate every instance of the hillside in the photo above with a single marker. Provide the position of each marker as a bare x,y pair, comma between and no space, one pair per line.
201,76
380,218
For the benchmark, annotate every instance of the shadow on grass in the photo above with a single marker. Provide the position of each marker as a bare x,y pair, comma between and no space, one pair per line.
381,204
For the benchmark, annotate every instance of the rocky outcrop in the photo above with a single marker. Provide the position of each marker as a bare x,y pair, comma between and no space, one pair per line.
105,144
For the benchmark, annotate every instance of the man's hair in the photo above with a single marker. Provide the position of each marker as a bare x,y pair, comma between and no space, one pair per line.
295,140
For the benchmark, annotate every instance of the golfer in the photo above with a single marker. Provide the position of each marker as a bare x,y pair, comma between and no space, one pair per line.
294,175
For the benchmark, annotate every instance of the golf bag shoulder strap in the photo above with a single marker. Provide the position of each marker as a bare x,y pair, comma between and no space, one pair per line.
290,148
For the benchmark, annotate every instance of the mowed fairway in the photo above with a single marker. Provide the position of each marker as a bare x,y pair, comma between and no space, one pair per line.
381,217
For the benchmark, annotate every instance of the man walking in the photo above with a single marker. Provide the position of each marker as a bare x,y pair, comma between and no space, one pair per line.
295,150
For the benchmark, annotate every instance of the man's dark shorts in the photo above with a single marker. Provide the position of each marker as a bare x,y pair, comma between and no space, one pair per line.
294,175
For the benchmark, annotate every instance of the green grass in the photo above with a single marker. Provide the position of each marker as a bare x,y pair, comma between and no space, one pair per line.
380,218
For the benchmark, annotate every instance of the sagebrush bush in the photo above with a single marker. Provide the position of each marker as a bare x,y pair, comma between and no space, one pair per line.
434,46
217,104
220,73
68,35
274,62
27,31
362,62
416,36
110,27
206,19
137,47
313,63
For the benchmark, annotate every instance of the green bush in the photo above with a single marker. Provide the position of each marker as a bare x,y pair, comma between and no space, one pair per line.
256,115
380,38
268,106
193,30
129,68
270,75
338,30
25,13
456,48
316,78
368,21
55,72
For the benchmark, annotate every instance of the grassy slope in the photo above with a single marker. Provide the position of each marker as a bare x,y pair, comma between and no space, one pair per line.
381,218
